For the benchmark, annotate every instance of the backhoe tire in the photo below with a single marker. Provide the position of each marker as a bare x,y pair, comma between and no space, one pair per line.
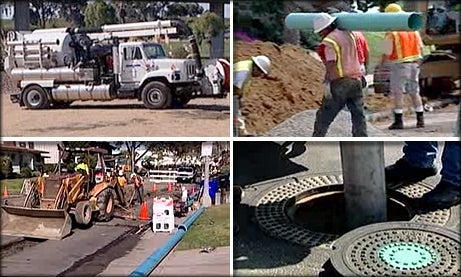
106,205
156,95
35,97
83,213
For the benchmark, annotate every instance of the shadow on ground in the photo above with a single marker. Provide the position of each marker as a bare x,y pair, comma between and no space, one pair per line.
255,162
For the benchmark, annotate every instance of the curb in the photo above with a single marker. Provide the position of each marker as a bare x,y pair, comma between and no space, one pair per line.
373,117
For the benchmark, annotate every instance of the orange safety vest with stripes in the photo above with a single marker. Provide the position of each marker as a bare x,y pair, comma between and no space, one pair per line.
347,62
405,46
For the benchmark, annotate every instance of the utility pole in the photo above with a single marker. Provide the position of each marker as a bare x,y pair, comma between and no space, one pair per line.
207,149
364,182
21,16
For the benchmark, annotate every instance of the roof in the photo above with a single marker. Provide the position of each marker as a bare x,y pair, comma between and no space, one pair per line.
7,148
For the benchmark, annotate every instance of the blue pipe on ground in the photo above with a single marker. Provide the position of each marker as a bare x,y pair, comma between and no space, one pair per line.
372,22
154,260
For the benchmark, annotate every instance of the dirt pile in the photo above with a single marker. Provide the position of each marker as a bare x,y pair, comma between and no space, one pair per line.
294,84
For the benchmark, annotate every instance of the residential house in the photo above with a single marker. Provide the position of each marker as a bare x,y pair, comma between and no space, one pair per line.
23,154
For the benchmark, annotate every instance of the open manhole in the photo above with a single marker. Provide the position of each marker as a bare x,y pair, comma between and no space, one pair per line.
397,249
309,211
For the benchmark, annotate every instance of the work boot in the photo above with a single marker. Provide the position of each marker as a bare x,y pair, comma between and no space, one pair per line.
419,120
443,196
403,173
398,122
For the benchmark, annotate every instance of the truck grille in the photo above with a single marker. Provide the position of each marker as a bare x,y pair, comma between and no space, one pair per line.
190,70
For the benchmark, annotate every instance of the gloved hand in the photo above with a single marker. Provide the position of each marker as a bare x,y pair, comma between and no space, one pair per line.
327,91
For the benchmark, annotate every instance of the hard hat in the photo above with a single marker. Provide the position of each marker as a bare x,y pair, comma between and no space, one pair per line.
393,8
263,63
120,172
322,20
132,175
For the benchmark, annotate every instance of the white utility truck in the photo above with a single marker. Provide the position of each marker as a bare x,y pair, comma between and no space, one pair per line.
54,67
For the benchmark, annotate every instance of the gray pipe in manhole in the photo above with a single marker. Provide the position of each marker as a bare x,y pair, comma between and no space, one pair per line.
364,182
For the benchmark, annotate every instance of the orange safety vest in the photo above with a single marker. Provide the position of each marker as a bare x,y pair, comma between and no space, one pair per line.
406,47
341,52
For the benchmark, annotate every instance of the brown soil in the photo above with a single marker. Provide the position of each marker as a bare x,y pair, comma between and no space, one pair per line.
294,85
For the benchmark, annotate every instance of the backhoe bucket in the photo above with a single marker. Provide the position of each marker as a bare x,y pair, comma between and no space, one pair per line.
35,223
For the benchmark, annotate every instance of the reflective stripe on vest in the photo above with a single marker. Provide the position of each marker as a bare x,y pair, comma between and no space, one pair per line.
243,65
337,48
405,52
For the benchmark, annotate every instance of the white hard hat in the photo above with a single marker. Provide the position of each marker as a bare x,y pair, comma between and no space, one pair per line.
322,20
120,172
132,175
263,63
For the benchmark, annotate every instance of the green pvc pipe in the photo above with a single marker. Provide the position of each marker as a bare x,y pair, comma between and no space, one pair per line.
371,22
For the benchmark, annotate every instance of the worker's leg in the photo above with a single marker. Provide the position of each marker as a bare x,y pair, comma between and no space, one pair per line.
416,165
412,87
448,191
329,109
397,86
355,105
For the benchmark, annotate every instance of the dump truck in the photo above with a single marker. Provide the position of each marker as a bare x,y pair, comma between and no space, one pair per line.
55,67
56,202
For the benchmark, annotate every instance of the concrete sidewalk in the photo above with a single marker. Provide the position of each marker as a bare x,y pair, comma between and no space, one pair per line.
194,263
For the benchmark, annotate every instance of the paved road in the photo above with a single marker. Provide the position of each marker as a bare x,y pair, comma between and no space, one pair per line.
118,118
255,162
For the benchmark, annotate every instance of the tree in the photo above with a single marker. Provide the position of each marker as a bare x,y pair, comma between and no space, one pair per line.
99,13
183,10
206,26
42,12
72,12
134,11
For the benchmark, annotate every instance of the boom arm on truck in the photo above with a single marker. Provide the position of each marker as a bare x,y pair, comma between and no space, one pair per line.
54,67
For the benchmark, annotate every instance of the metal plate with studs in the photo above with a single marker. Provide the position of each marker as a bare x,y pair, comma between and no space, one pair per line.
397,249
270,210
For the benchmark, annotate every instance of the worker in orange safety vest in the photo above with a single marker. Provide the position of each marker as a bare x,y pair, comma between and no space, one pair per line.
342,83
403,50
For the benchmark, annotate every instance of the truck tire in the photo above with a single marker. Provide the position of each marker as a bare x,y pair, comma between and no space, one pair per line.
156,95
106,205
35,97
83,213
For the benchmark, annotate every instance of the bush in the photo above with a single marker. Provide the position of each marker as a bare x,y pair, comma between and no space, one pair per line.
49,167
6,166
26,172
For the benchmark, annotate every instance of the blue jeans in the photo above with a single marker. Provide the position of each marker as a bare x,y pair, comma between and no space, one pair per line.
424,153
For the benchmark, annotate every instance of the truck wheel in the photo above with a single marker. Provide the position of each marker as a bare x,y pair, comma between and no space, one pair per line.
35,97
83,213
156,95
106,205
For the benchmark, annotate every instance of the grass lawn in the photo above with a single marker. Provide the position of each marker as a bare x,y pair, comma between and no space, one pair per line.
13,185
211,229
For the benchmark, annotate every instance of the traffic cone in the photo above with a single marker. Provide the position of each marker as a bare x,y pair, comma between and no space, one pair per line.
5,192
154,188
143,213
169,187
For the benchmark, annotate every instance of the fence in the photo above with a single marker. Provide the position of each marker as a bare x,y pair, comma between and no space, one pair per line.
162,176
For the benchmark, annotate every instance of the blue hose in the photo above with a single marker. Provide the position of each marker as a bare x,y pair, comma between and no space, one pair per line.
154,260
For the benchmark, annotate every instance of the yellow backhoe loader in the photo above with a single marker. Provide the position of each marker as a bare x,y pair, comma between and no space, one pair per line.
55,202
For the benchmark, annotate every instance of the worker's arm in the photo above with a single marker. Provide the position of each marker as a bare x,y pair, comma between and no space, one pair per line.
388,45
330,63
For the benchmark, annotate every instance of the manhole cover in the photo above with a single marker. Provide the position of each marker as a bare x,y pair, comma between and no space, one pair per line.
397,249
272,212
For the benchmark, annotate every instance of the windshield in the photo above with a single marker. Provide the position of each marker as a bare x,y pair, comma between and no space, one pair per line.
153,51
186,169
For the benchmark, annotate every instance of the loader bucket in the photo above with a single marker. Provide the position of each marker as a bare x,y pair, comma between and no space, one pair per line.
35,223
